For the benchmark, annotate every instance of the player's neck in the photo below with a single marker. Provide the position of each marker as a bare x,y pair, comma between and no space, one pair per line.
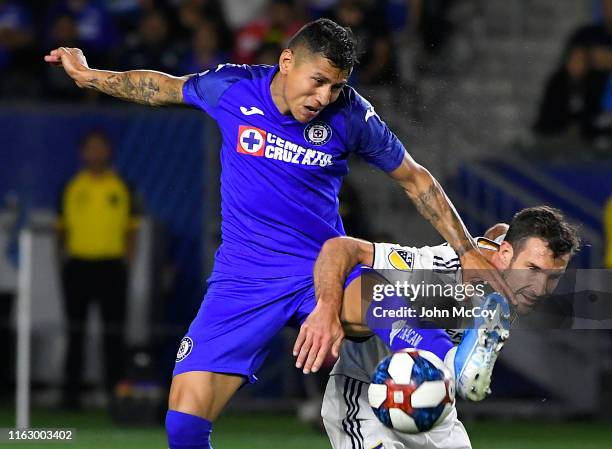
277,86
97,172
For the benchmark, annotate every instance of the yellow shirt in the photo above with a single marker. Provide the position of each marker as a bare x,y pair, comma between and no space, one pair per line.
608,232
96,216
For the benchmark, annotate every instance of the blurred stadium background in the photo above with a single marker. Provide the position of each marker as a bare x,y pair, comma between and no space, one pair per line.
504,101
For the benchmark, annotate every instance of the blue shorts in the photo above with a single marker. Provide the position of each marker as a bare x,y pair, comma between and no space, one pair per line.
238,319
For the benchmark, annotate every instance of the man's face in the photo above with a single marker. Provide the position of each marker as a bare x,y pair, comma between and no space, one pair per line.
96,153
311,83
532,272
607,12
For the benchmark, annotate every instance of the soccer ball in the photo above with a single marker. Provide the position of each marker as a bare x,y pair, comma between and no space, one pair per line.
411,391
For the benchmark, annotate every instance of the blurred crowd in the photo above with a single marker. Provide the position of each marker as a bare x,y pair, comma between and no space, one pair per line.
576,103
188,36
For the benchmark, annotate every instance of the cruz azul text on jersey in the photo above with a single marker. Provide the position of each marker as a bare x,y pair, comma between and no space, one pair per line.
257,142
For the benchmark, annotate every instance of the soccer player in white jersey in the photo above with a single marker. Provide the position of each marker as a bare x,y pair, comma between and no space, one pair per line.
532,256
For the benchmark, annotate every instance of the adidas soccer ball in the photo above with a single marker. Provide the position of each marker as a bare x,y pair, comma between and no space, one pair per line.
411,391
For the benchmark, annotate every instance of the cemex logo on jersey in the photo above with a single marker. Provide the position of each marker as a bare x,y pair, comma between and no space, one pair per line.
257,142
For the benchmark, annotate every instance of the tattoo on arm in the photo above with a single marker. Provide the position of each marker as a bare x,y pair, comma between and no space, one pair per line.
427,202
145,87
435,206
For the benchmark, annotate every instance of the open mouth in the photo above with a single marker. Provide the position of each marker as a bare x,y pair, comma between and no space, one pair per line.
312,110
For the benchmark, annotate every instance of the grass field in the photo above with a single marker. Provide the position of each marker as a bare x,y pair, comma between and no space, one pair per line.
96,431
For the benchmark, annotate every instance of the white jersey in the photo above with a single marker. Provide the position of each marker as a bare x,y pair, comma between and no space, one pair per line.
349,420
358,359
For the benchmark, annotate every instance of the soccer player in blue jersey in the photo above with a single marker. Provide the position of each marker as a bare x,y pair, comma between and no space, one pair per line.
287,132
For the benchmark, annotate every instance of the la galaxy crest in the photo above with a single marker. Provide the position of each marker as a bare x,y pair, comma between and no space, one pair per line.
317,133
401,259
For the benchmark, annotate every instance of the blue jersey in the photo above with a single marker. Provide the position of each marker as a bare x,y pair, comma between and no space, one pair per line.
280,178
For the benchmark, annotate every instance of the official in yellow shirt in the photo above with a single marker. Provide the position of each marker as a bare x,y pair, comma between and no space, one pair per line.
97,225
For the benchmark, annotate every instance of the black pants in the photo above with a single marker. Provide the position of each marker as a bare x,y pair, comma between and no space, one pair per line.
7,340
85,282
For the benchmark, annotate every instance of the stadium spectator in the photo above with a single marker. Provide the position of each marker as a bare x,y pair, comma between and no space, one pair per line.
152,46
126,14
192,14
318,8
58,86
377,61
402,16
267,54
435,27
204,52
95,26
572,98
576,94
276,26
16,47
96,235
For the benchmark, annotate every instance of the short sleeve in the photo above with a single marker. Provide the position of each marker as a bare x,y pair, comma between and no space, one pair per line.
371,138
389,256
205,89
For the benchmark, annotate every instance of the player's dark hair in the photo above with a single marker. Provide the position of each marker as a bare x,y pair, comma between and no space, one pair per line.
327,38
546,223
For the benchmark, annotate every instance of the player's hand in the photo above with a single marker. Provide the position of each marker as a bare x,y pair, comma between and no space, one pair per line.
476,268
320,332
72,59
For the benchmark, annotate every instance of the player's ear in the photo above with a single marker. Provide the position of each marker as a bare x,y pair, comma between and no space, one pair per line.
505,253
286,60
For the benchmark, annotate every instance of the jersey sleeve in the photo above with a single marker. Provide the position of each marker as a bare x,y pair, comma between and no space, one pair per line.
205,89
392,256
430,264
389,256
371,138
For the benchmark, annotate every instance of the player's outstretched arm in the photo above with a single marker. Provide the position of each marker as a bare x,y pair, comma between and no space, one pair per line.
140,86
431,201
335,261
323,330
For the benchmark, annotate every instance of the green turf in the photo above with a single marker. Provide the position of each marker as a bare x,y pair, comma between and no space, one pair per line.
96,431
537,435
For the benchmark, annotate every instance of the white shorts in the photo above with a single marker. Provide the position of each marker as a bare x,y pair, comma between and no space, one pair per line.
351,424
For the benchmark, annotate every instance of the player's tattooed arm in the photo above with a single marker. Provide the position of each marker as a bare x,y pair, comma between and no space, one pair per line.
433,204
431,201
140,86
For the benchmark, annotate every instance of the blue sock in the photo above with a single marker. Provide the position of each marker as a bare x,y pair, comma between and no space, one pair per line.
187,431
